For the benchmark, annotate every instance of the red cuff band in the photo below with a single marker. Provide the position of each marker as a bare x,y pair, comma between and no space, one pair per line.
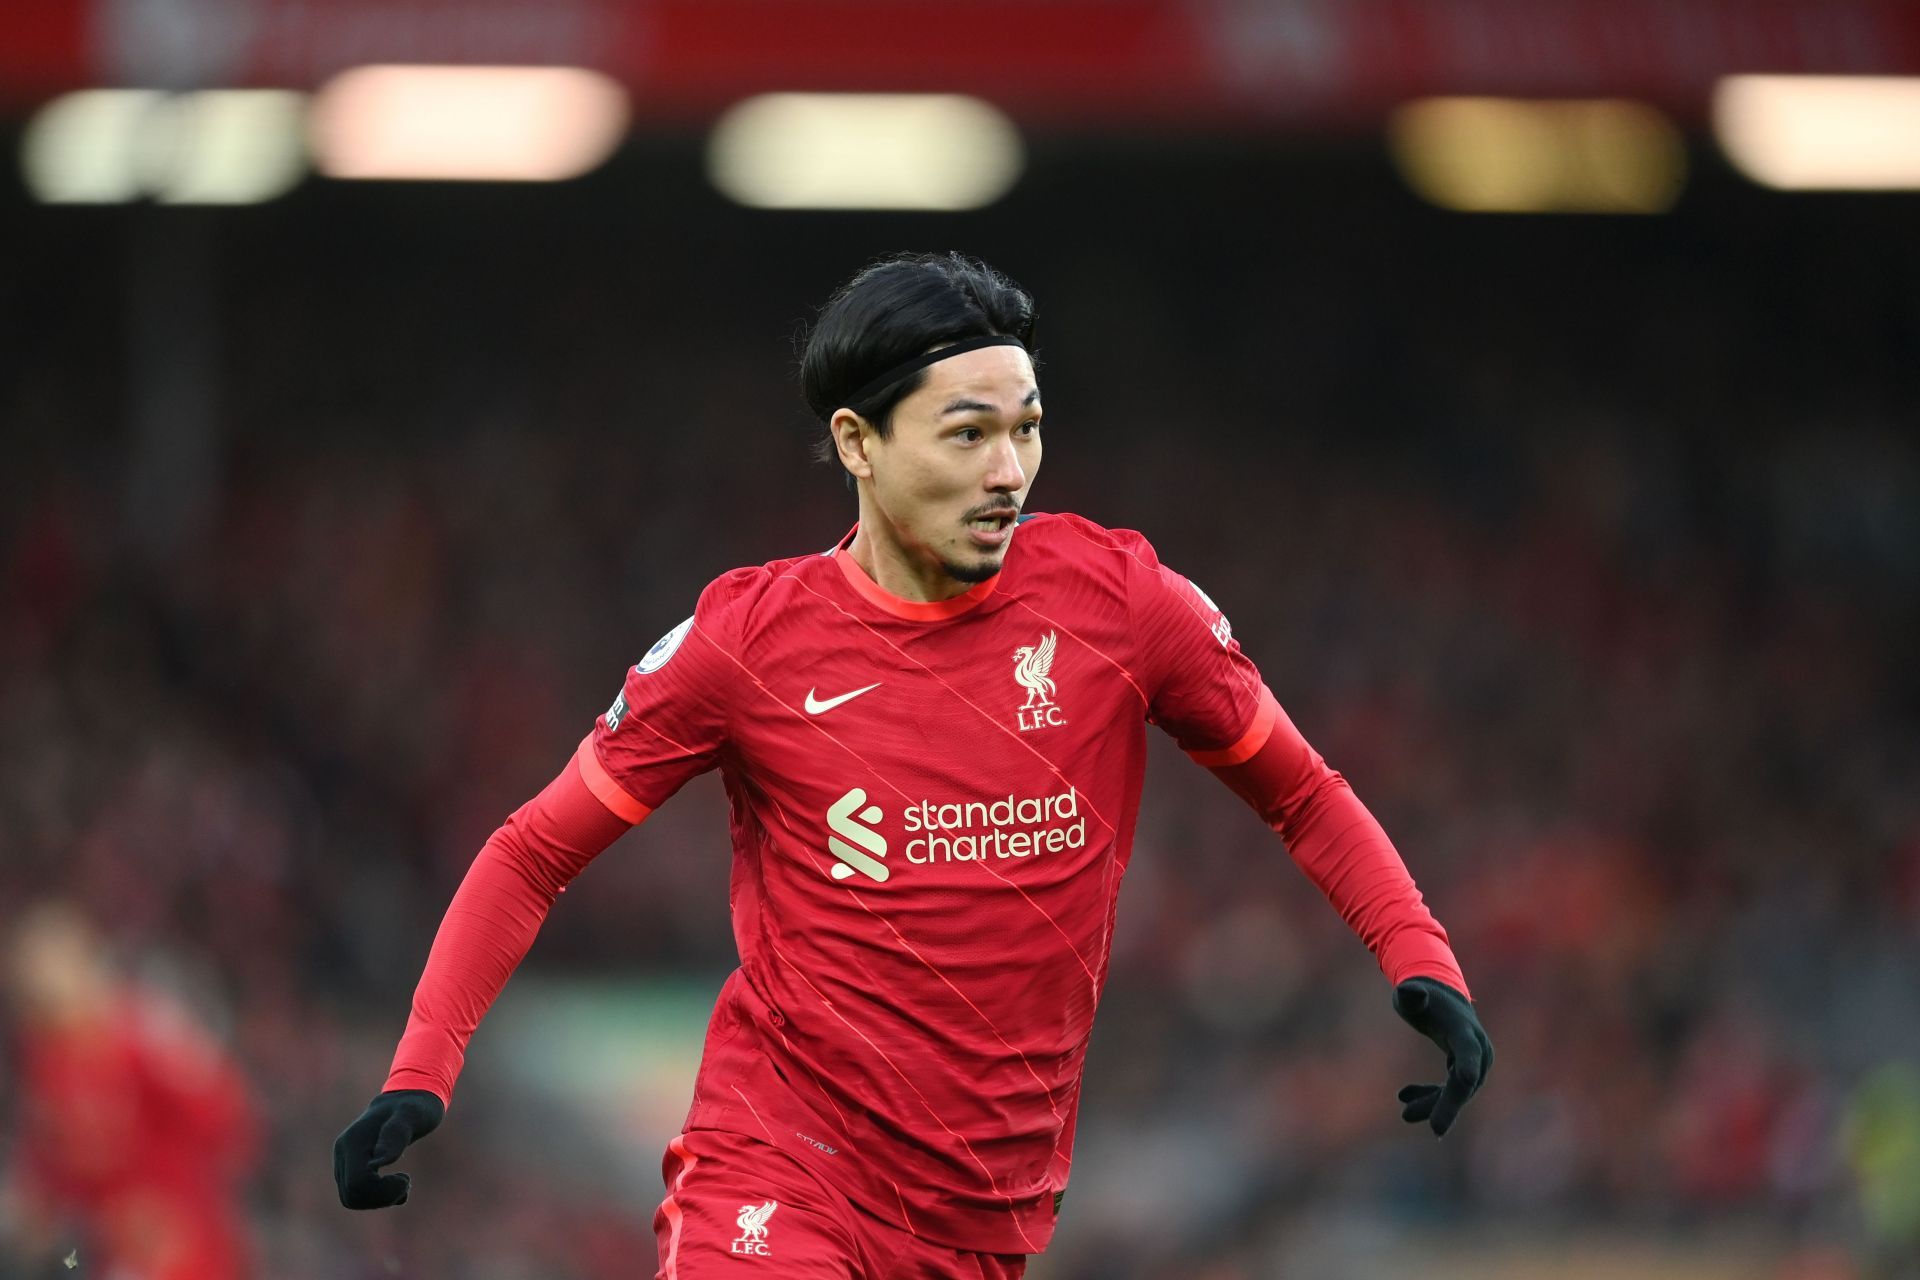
1251,741
605,789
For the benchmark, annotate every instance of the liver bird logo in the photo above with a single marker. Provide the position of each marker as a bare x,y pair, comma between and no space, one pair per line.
1030,667
753,1220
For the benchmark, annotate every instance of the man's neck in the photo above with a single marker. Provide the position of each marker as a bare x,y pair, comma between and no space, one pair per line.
895,568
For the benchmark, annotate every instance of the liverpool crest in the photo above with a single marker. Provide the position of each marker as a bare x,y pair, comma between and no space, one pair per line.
1031,665
753,1228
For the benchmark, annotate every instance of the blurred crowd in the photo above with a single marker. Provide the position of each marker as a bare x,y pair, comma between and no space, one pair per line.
1585,554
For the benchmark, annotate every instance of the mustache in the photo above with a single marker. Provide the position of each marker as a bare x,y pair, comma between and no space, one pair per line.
994,509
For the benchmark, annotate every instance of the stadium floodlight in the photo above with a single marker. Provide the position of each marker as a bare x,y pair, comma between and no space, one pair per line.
225,146
471,124
222,146
864,151
1836,133
1510,155
84,148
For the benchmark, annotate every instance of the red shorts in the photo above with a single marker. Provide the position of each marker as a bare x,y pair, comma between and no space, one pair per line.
739,1208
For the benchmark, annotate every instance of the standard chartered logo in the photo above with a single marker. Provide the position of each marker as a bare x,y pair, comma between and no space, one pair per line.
967,831
955,831
841,819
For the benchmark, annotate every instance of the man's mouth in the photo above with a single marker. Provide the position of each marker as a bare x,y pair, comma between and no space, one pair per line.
991,529
992,521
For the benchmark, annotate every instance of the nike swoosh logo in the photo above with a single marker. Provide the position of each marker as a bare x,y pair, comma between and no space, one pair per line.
815,706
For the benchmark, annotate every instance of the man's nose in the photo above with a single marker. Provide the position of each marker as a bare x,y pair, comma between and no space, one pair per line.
1004,474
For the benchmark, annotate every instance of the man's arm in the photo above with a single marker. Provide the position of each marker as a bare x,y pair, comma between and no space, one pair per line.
668,724
494,916
484,935
1344,851
1204,691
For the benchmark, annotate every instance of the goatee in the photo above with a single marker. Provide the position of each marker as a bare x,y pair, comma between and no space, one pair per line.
974,573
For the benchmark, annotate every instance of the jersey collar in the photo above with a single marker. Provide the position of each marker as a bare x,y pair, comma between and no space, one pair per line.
912,610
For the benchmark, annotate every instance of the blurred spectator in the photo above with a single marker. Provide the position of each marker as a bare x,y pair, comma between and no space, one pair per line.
1883,1144
133,1128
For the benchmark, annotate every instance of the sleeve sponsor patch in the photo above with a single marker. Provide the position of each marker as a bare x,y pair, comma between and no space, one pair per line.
1221,628
1201,688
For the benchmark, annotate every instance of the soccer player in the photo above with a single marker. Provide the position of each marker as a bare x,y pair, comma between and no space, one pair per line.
932,736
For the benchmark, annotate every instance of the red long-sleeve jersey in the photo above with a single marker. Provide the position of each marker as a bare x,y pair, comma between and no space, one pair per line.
932,808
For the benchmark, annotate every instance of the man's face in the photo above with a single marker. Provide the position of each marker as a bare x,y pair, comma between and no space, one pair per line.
55,966
963,451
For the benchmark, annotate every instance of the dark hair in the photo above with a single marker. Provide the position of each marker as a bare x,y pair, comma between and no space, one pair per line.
892,311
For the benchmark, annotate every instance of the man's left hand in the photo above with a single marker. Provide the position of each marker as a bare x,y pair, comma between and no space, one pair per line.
1445,1017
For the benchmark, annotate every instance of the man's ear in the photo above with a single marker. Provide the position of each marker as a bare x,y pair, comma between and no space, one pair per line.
851,436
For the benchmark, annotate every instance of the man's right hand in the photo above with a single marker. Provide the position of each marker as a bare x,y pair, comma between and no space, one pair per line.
392,1122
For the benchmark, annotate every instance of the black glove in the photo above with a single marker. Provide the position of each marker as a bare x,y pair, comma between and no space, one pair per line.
392,1122
1443,1016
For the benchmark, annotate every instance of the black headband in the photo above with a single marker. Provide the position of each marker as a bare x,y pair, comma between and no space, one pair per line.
920,362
